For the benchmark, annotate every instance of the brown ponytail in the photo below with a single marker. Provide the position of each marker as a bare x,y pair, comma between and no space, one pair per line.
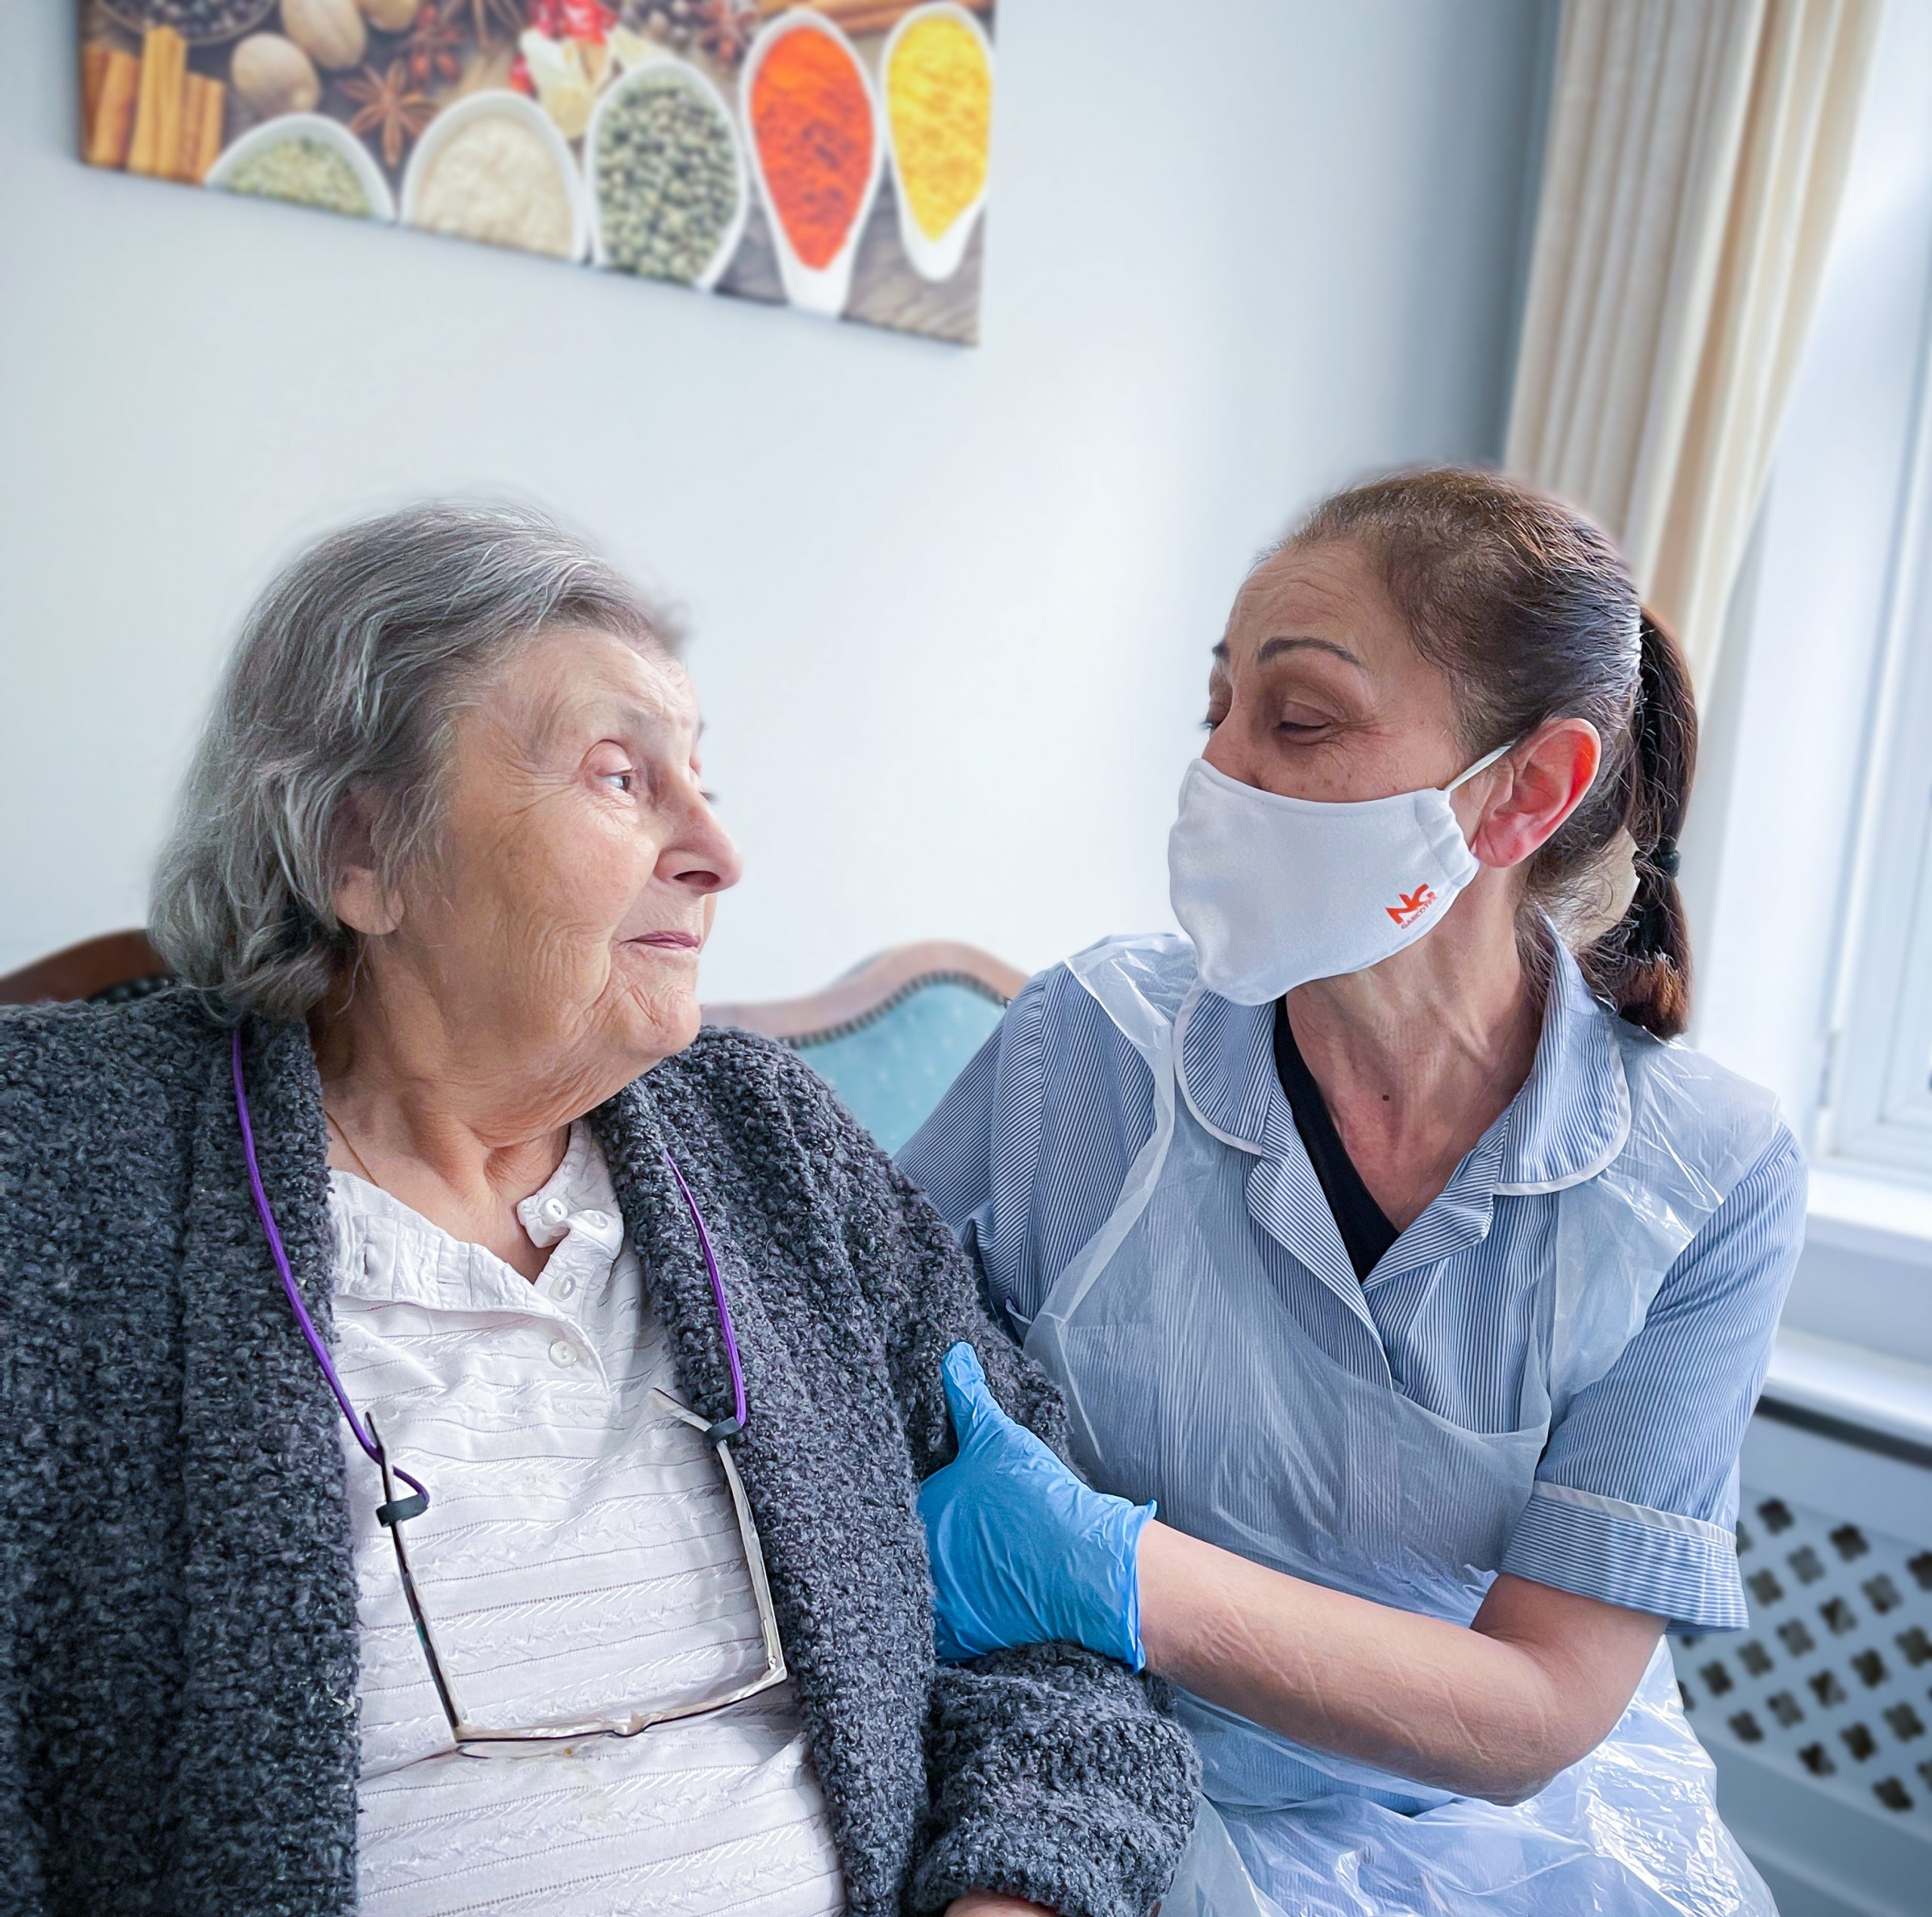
1642,964
1530,611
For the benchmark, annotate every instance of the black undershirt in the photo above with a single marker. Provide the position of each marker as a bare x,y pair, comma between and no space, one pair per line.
1366,1233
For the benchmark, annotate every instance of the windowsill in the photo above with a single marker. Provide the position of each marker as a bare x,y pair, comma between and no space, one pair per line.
1855,1208
1852,1384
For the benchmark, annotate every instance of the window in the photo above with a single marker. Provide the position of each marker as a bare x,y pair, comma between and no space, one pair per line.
1808,855
1878,1081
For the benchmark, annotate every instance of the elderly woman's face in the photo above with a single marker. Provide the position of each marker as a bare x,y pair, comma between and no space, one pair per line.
580,862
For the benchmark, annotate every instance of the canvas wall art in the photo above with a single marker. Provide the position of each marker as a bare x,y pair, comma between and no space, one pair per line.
833,156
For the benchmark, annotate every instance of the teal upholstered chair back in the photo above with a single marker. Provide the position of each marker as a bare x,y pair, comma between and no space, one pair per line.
892,1035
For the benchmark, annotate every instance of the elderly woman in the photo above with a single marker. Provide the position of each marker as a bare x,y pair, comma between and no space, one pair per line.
464,1423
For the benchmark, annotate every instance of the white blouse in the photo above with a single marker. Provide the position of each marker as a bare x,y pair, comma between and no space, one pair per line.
580,1557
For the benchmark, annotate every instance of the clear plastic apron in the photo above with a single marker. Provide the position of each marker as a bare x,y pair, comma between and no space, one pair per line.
1187,1380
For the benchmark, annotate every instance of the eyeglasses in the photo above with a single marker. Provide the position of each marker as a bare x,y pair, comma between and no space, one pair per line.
394,1511
468,1735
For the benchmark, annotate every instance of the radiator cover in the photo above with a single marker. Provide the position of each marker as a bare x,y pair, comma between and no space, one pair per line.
1819,1715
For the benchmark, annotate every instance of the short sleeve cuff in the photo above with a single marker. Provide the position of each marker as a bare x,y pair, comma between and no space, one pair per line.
1683,1570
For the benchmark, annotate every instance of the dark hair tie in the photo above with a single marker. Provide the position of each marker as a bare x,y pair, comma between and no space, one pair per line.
1663,857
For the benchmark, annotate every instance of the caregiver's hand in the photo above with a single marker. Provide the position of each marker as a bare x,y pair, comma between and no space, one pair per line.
1023,1552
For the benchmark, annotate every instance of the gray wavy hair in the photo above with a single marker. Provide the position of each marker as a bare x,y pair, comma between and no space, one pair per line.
346,685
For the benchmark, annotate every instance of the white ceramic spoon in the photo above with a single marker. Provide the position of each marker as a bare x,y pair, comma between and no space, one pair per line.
658,67
324,132
932,257
815,289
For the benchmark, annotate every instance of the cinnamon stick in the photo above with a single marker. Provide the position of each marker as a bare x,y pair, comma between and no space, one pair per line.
881,19
190,127
862,16
112,126
213,98
140,151
156,146
169,90
93,72
875,19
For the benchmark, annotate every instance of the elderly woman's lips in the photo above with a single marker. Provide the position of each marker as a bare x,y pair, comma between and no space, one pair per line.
670,941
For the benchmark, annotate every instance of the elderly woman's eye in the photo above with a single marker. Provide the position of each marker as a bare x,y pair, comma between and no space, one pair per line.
610,764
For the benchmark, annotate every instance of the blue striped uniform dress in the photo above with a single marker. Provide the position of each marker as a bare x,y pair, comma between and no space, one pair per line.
1635,1497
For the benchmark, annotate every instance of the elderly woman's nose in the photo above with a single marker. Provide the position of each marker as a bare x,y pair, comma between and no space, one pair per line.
702,857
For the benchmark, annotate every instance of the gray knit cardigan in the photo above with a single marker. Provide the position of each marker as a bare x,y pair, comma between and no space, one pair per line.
177,1624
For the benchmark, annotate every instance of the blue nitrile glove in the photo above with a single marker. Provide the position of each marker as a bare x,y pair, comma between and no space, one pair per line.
1023,1552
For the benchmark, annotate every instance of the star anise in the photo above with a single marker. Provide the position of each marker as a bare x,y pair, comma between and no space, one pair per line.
725,28
434,51
489,17
386,104
675,22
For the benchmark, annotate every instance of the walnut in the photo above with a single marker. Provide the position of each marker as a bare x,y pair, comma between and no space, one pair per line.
275,76
331,33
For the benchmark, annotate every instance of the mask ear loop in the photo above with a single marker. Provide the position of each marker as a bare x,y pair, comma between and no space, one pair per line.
1481,765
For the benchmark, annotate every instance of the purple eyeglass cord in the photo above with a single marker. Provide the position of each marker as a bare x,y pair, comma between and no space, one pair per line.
395,1513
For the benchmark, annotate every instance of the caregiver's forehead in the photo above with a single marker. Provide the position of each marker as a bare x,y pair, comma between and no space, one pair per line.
1322,590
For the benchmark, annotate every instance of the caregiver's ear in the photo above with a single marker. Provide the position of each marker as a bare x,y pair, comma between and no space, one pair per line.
1522,799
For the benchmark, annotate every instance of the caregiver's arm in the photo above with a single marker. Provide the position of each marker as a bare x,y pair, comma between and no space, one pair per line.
1630,1526
1494,1710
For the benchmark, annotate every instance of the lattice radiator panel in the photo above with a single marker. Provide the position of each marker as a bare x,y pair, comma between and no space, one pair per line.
1833,1681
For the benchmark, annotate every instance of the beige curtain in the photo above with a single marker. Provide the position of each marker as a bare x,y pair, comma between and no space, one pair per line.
1696,154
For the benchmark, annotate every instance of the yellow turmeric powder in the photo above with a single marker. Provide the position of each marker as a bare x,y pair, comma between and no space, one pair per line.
939,97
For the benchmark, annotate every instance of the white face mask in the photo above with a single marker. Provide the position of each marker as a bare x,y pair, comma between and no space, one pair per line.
1276,891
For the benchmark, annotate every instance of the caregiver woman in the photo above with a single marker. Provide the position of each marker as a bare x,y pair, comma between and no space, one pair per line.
1379,1234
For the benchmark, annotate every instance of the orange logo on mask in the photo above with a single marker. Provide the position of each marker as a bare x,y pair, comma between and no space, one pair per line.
1413,904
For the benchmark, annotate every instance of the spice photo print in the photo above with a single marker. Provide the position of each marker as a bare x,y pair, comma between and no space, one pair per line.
831,155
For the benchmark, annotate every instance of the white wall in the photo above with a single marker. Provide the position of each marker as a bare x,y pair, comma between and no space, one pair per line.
951,606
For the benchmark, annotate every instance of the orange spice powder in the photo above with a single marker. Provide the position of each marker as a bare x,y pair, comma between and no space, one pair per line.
814,126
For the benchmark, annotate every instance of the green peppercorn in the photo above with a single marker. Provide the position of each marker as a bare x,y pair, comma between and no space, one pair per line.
667,178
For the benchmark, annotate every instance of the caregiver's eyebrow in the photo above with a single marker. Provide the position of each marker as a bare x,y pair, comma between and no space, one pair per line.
1274,648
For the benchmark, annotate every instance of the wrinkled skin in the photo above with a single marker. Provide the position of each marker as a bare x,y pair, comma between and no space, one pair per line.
543,953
